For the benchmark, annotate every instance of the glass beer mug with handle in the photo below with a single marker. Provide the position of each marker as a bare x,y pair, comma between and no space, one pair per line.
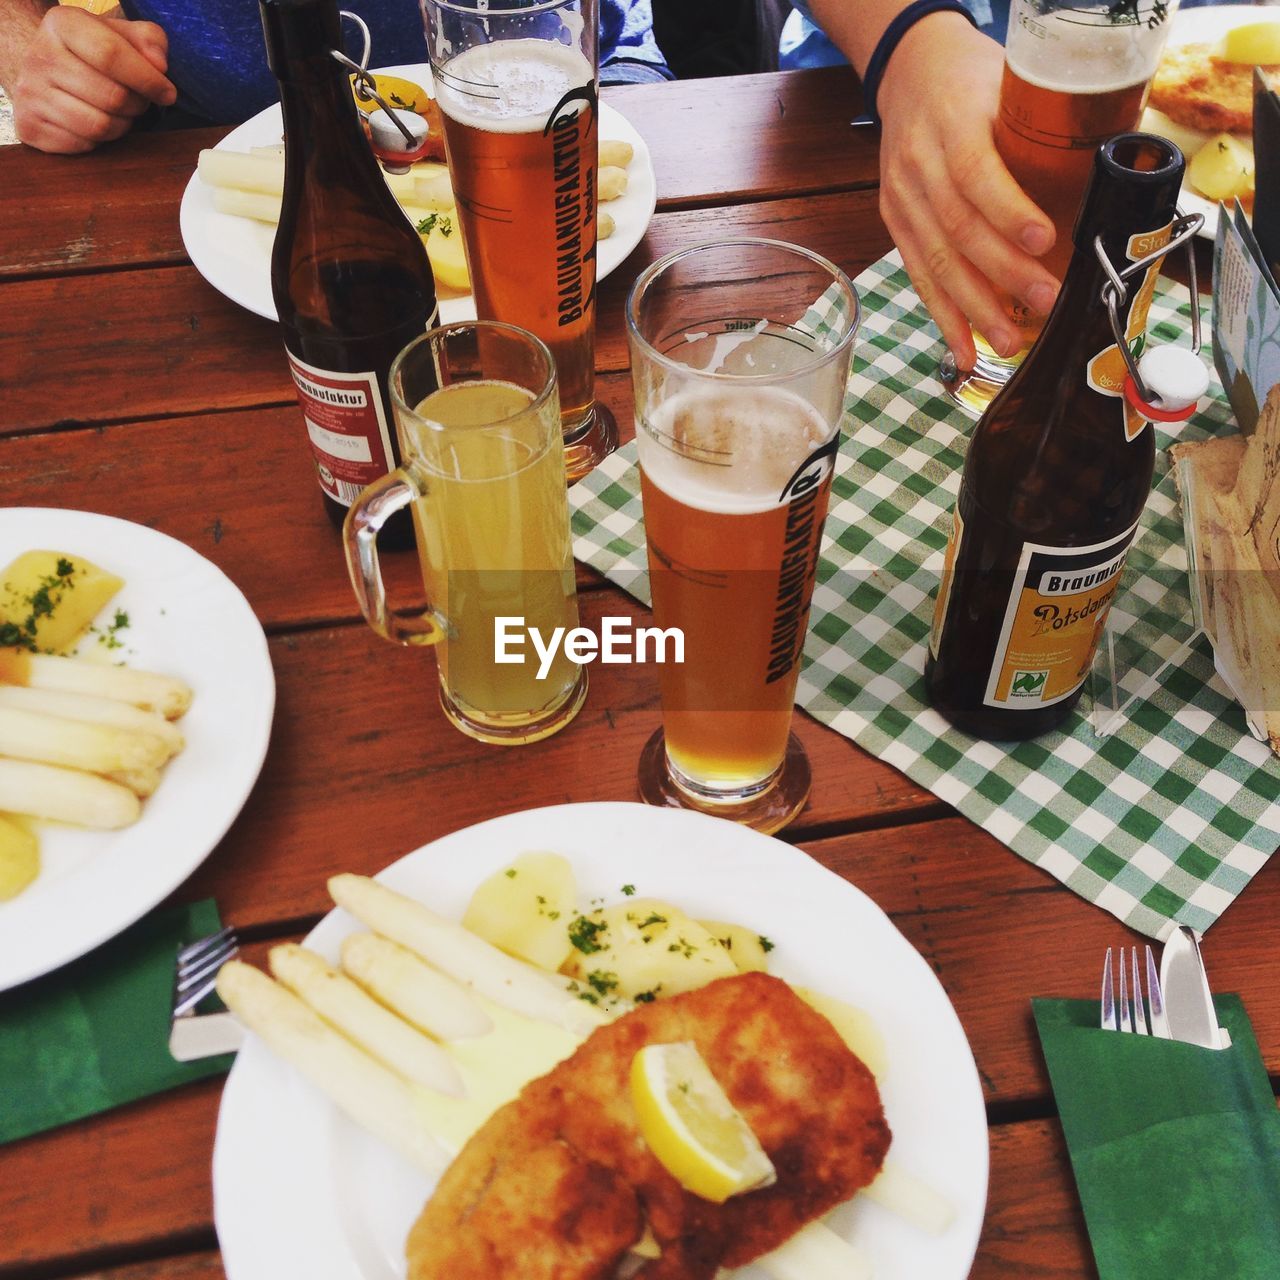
479,422
1075,74
517,86
740,354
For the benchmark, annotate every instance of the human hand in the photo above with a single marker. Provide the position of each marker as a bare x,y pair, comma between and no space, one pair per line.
84,79
964,226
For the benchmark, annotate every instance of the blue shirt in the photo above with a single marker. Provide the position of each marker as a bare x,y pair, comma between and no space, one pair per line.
805,44
218,61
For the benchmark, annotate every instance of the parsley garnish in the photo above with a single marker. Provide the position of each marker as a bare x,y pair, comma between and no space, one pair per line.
436,222
628,889
765,944
602,981
510,873
584,934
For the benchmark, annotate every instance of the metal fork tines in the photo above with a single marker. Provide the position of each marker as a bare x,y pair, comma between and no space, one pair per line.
197,968
195,1035
1130,1014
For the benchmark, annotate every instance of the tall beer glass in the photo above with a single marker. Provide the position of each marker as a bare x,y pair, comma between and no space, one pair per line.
740,353
1074,76
483,472
516,82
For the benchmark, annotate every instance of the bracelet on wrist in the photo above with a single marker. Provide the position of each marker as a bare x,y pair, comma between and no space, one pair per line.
893,33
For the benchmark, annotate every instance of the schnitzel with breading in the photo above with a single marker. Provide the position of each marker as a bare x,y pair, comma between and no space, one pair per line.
1199,90
559,1183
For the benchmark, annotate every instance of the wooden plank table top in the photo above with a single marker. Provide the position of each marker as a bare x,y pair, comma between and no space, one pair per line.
129,387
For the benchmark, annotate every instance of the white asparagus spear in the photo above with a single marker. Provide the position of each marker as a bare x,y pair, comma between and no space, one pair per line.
105,711
375,1098
460,954
421,996
32,735
142,782
146,689
906,1195
363,1020
266,208
65,795
264,172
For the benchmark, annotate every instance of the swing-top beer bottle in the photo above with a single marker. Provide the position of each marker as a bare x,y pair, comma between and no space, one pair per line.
349,274
1056,477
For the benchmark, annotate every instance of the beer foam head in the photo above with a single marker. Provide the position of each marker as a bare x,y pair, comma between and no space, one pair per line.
730,449
1082,50
509,86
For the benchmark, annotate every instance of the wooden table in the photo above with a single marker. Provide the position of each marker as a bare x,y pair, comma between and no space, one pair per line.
130,387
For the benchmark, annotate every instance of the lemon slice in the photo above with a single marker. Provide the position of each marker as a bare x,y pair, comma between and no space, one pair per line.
1253,44
693,1129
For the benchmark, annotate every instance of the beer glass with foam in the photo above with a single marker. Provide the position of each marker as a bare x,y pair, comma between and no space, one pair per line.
517,86
479,423
1074,76
740,354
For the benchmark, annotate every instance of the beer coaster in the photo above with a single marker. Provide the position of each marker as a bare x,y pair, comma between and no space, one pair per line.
1166,819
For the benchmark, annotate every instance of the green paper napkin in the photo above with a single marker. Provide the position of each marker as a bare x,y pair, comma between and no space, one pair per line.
1175,1148
96,1034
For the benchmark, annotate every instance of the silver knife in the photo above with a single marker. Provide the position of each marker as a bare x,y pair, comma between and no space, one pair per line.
1184,986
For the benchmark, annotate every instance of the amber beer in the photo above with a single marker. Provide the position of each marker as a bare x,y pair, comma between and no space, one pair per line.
1046,133
520,127
732,551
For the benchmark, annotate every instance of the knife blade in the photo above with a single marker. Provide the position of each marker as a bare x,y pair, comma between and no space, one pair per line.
1188,1001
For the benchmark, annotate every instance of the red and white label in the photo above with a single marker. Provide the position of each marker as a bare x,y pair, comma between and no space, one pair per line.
347,424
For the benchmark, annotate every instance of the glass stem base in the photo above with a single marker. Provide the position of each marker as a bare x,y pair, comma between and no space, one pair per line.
767,810
973,392
590,443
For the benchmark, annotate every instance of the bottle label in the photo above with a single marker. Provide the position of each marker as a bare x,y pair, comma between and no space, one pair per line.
347,424
1054,621
1107,370
944,587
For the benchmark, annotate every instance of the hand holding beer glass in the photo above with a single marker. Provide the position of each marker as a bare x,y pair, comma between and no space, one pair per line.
517,86
740,354
479,423
1074,76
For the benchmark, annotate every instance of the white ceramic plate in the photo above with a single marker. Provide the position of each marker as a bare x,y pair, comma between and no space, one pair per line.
299,1191
1198,26
186,618
234,254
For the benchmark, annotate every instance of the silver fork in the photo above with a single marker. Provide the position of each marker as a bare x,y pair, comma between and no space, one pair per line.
1129,1014
195,1035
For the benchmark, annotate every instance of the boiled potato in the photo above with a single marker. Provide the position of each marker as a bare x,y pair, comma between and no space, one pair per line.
52,597
444,248
611,182
1254,44
745,946
604,225
525,909
644,948
1222,168
855,1028
615,154
19,858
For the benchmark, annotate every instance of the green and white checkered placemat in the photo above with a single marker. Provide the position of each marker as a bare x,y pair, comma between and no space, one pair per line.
1168,817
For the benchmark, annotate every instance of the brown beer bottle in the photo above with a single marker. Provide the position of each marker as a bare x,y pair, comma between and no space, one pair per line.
349,274
1057,473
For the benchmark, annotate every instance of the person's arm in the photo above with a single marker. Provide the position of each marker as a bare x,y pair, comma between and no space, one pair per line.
77,79
964,226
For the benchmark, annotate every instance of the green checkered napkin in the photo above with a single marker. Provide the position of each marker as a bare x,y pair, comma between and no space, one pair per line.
1163,820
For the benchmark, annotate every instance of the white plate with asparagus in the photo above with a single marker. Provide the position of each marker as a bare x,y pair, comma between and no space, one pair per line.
136,697
301,1185
231,203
